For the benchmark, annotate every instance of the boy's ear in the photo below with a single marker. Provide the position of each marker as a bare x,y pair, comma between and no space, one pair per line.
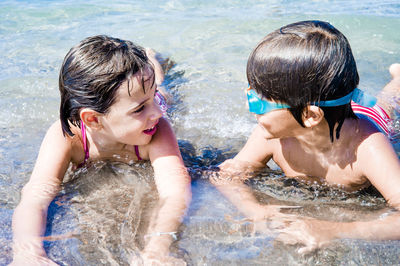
312,116
90,118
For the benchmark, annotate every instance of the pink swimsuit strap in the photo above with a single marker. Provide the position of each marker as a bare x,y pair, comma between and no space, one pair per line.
84,140
137,153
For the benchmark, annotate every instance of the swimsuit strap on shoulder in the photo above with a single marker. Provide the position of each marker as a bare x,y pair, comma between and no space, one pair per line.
137,152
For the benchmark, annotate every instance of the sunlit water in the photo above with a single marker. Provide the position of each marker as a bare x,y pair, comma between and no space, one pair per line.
103,211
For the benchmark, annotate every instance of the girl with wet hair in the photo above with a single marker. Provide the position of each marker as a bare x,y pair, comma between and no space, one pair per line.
111,109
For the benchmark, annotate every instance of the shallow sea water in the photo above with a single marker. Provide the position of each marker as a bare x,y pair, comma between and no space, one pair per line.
102,212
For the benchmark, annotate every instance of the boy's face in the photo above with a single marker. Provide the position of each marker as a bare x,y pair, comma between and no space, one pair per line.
134,116
279,123
259,106
274,118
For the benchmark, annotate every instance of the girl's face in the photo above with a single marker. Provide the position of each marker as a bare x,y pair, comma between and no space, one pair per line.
134,116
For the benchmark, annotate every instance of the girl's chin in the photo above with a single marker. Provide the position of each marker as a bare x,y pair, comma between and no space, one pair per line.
146,139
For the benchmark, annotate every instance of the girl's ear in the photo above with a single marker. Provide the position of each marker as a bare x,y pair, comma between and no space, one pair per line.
312,116
90,118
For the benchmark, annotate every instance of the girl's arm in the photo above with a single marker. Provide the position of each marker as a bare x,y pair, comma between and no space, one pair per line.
173,185
29,218
381,166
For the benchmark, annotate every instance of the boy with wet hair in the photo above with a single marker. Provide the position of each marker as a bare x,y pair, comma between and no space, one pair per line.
316,125
294,66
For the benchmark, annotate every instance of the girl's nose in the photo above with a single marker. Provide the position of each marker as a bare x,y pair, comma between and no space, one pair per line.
156,112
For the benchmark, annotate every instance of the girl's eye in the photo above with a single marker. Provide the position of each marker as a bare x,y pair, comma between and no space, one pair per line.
139,110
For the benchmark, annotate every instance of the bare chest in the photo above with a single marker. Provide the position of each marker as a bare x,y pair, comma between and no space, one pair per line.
337,168
128,155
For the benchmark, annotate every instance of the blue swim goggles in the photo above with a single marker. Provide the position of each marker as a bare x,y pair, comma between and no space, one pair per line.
259,106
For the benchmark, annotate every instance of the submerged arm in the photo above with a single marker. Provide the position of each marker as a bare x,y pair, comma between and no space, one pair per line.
246,164
383,171
173,185
29,218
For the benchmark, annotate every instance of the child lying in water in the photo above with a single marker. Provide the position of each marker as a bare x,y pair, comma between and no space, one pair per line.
316,124
110,110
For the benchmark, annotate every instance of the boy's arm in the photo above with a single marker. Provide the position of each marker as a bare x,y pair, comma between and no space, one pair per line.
174,189
381,165
233,172
29,218
257,151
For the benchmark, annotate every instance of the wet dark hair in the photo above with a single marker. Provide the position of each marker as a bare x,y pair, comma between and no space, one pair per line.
305,62
92,72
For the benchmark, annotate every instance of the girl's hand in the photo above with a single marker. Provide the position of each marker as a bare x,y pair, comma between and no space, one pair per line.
29,258
312,234
30,251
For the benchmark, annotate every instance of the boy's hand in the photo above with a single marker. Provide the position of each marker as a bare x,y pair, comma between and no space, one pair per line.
153,258
270,219
312,234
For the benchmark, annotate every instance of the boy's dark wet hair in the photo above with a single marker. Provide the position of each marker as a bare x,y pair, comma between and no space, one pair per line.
302,63
92,72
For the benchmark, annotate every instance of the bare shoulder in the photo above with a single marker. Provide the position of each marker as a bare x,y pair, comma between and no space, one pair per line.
380,164
165,128
372,141
55,134
55,155
163,142
71,144
258,149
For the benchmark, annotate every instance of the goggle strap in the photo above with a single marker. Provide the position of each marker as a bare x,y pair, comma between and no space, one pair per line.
357,96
